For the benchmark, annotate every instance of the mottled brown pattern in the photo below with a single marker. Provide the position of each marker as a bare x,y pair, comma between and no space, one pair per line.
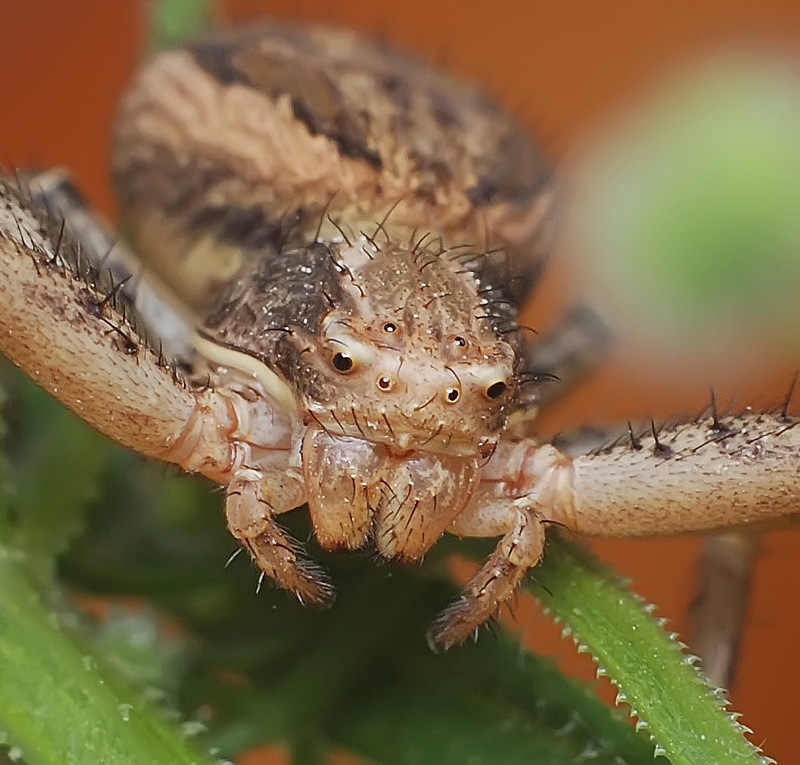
276,125
289,291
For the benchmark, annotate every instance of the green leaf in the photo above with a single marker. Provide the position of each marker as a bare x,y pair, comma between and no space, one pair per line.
485,699
52,466
58,703
665,691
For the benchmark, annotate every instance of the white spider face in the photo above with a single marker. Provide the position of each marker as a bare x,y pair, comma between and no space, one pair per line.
407,356
406,385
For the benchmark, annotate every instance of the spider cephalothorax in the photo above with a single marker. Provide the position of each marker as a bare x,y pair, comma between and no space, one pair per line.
392,344
402,381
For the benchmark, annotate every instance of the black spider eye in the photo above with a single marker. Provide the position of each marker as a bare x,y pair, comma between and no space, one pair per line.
342,362
452,395
460,341
496,390
390,327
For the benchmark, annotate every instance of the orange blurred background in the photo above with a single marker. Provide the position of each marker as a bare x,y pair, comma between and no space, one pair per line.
562,67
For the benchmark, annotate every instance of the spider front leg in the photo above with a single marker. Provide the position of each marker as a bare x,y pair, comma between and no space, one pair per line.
698,476
519,549
67,323
253,500
522,484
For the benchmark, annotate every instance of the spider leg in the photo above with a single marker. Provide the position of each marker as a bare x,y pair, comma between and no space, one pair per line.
65,321
519,550
568,353
691,477
688,477
723,576
719,608
102,248
253,499
742,474
578,344
67,324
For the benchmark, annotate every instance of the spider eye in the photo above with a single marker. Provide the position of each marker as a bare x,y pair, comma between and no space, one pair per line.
385,383
390,327
342,362
455,344
452,395
496,390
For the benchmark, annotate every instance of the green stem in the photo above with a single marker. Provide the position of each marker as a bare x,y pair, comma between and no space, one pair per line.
173,21
57,703
665,691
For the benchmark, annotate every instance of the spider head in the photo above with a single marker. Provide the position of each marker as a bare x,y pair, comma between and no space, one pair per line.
408,357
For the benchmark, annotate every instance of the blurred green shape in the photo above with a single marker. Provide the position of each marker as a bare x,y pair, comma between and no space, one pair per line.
173,21
688,210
